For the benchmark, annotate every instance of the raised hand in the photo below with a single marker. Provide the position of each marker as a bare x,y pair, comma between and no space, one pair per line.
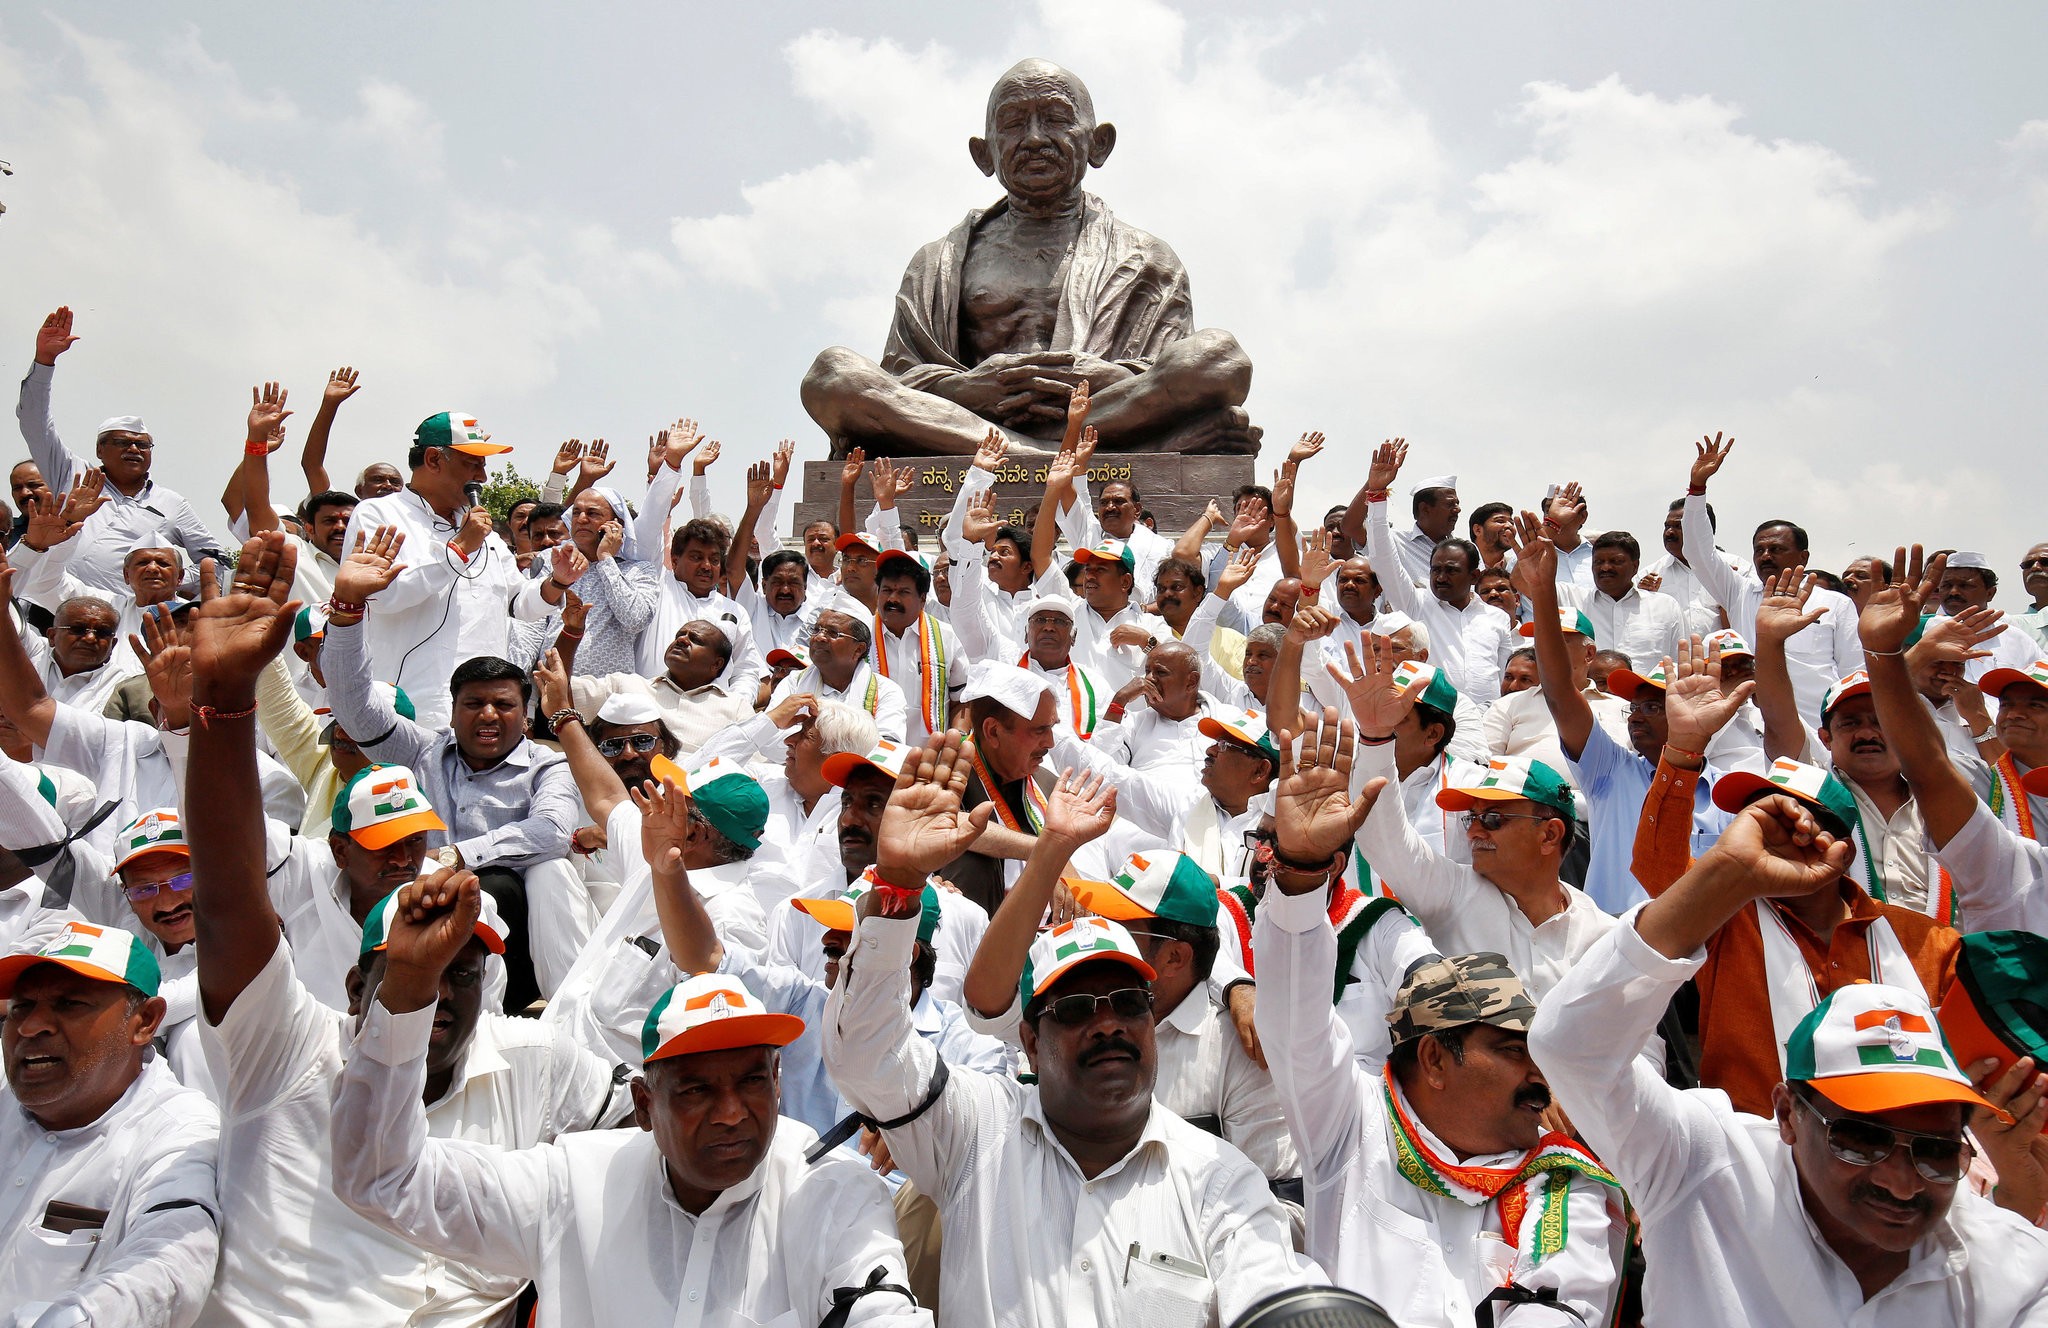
431,921
575,613
890,481
1697,703
1310,623
234,634
1535,557
850,469
657,452
371,567
682,439
566,457
1077,412
551,680
1709,455
1782,612
1316,562
760,485
50,524
566,564
54,337
267,416
166,655
1779,851
706,458
990,454
595,463
1080,809
1954,638
1378,702
1891,613
664,824
1310,446
924,827
1387,460
1314,815
1565,511
978,524
1236,571
1213,514
341,385
785,453
1283,493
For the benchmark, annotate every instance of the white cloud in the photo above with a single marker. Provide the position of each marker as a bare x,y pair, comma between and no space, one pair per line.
400,125
2027,158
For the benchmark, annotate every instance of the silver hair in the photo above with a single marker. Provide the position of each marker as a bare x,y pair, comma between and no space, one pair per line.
1271,634
845,728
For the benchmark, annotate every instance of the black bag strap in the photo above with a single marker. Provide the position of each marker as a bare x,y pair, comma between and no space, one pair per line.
64,875
1514,1293
845,1129
844,1297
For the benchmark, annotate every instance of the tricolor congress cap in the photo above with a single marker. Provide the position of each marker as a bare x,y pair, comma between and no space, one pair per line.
784,655
885,756
727,796
1440,694
1244,727
1571,620
394,696
309,625
1856,684
836,912
853,539
1071,944
381,805
457,430
1161,884
1109,551
712,1012
490,924
1995,681
1507,779
1625,683
1809,783
1870,1047
105,954
1729,642
155,831
1997,1006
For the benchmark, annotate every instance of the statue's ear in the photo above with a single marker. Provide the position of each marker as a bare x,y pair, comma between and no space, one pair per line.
977,148
1100,143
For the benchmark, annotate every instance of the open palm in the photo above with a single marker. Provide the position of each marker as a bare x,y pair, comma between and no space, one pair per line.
1314,815
234,634
925,827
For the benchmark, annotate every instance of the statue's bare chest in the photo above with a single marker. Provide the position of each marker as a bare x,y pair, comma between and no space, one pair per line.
1009,287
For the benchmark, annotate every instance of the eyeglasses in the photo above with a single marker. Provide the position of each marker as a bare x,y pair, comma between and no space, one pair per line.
641,743
830,634
1862,1143
1079,1008
96,633
1493,820
138,894
127,444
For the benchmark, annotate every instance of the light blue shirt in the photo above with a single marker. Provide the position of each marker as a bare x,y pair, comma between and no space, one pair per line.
1615,780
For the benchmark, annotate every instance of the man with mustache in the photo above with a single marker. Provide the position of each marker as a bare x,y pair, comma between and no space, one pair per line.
912,648
511,804
154,871
114,1213
290,1251
838,668
1820,653
1841,1206
1077,1197
1465,632
2034,580
1967,583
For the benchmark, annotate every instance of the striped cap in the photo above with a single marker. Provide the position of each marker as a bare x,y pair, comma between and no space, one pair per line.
1997,1006
1084,940
152,832
490,924
1729,642
836,912
309,625
724,794
885,756
456,429
1571,620
105,954
1247,727
382,804
1870,1047
712,1012
1856,684
393,695
1625,683
1109,551
1995,681
1162,884
1508,778
1808,783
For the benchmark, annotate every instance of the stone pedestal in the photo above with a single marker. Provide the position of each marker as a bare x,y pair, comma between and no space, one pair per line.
1174,488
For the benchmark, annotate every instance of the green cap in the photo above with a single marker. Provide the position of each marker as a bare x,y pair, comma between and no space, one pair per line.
1151,884
104,954
456,429
1998,1005
1507,779
1438,695
725,795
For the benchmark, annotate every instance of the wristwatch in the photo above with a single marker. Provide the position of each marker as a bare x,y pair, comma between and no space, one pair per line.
447,855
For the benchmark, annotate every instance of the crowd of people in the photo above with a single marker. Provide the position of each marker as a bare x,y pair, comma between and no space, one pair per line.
598,912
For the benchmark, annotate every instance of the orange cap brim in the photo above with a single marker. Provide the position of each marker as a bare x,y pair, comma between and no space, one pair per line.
1105,900
1461,800
386,833
1895,1090
1096,957
480,449
833,914
839,767
12,967
750,1030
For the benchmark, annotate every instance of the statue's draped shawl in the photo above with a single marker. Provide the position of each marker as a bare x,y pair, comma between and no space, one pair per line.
1123,298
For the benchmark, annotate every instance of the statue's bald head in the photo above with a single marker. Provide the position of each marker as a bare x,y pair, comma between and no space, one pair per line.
1034,78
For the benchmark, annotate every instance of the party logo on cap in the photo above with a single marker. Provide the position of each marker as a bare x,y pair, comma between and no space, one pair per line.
712,1012
1875,1048
1856,684
1081,941
1439,694
1729,642
1162,884
381,805
104,954
155,831
1510,778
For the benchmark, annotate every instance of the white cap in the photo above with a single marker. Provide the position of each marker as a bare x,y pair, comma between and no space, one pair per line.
1018,689
1059,604
1969,558
629,708
122,424
1388,623
1434,482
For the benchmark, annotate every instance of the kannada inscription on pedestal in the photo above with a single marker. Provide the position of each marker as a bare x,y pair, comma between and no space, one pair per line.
1174,487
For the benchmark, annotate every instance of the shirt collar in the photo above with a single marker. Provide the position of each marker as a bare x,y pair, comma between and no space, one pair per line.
1193,1015
483,1056
1033,1116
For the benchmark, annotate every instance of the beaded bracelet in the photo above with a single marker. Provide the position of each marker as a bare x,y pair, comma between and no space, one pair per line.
564,716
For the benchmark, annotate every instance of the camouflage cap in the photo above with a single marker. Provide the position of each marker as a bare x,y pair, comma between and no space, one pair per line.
1451,991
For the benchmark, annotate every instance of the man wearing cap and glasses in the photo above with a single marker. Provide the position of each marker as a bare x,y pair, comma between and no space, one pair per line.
708,1212
1075,1199
138,512
2034,580
114,1214
290,1251
153,871
1968,582
1841,1207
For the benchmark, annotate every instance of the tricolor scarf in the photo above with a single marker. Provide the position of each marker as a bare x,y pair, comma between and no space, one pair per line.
1078,686
1351,914
1789,980
2009,801
1555,1158
1034,797
931,668
1941,904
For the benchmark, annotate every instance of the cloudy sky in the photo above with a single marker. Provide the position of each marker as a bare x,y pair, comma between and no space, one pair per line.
1543,242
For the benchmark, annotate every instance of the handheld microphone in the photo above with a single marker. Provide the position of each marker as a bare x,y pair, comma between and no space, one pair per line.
474,492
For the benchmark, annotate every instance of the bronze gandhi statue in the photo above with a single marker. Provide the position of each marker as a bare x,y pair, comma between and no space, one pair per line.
997,322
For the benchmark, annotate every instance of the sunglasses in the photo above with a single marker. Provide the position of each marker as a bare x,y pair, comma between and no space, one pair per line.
1862,1143
1493,820
641,743
138,894
1077,1009
96,633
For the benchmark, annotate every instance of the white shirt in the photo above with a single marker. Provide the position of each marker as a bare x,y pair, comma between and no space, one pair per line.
692,718
1426,1259
442,609
890,710
1204,1072
1114,665
1702,613
1030,1241
1148,547
1717,1192
290,1252
148,1165
1144,739
1645,625
592,1221
1465,643
895,656
1520,724
675,605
